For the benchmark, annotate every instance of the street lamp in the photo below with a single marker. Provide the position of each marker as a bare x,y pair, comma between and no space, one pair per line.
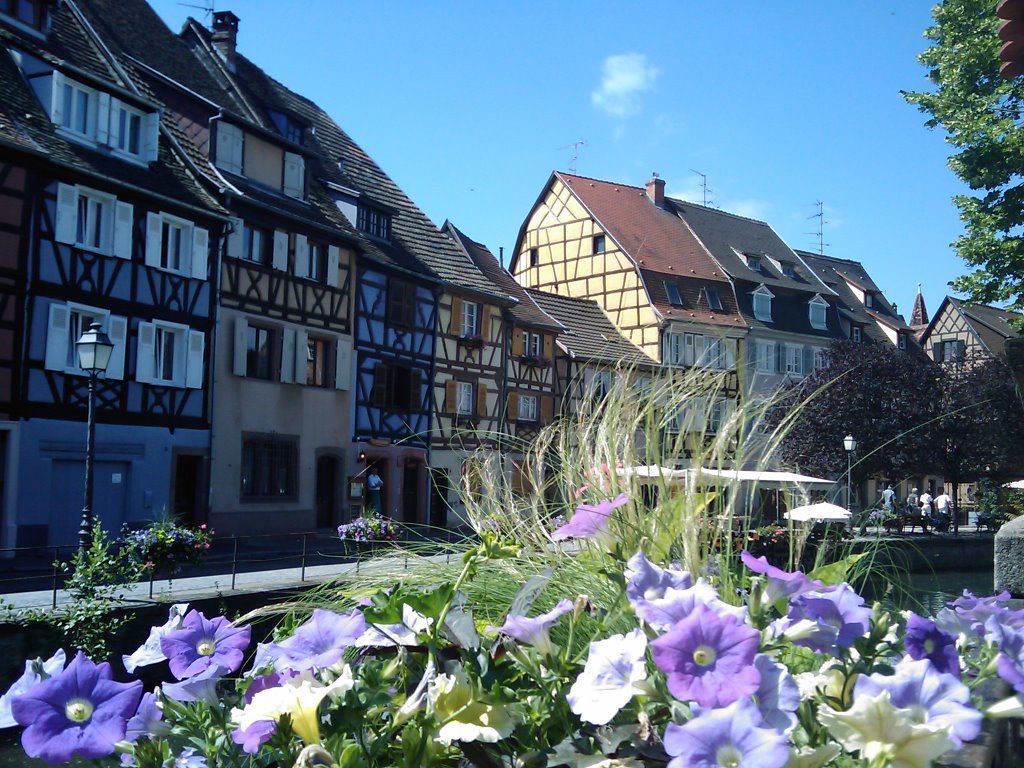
850,444
94,348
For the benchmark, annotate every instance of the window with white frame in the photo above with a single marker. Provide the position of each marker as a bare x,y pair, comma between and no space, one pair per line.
716,416
794,359
753,262
716,353
601,383
126,129
820,359
76,108
94,221
469,324
816,310
869,299
463,398
855,333
686,349
763,304
527,408
901,341
79,320
533,344
765,360
170,355
176,245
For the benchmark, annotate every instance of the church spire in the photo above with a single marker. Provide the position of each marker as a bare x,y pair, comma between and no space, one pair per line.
920,314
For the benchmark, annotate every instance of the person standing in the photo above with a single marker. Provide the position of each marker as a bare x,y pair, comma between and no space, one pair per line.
889,499
942,509
373,486
926,510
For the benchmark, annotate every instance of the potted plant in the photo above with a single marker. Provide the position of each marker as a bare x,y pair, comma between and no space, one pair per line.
166,545
369,530
472,341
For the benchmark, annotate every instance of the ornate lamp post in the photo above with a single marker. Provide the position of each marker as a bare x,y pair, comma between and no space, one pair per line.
94,348
850,444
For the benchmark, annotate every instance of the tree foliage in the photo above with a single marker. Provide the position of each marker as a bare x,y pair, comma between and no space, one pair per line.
982,116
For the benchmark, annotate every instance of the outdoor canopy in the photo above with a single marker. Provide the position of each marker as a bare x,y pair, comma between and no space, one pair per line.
708,476
821,511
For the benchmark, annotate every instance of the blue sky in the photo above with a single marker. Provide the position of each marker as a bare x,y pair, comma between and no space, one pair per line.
469,106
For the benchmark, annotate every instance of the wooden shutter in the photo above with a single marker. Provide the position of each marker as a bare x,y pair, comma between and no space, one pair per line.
144,356
730,353
547,409
485,322
235,238
302,356
294,175
288,356
124,224
57,99
150,136
117,329
548,346
343,364
451,396
67,214
381,377
518,344
481,399
154,234
114,137
455,326
57,337
195,365
512,412
200,252
808,361
103,113
229,144
333,258
280,250
301,256
240,357
415,389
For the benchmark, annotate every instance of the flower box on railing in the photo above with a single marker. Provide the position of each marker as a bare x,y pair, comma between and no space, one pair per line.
534,360
475,341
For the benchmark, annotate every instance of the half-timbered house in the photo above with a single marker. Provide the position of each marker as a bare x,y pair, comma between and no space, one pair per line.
108,225
961,332
522,365
283,362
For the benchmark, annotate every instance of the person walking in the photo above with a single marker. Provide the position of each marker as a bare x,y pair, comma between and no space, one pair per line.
926,510
373,486
943,511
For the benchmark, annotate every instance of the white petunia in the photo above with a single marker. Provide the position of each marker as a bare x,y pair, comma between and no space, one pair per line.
609,679
36,670
149,652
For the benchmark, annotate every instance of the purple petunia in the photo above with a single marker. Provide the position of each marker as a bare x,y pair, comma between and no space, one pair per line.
202,686
647,581
1010,661
255,736
924,640
777,695
937,699
708,658
589,519
80,712
730,736
201,643
827,621
676,604
320,642
781,585
147,721
36,670
534,631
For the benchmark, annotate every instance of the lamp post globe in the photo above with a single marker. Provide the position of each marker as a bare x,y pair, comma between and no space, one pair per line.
94,349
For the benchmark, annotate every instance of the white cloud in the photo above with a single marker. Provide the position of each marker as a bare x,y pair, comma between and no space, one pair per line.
624,77
750,207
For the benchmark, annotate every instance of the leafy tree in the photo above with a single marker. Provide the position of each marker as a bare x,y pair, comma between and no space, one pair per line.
983,116
977,431
876,393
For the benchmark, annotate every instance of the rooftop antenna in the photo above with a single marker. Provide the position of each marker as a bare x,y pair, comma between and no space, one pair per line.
705,189
575,147
207,7
820,216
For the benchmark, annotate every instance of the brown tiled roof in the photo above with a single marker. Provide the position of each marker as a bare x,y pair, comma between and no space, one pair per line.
525,310
590,334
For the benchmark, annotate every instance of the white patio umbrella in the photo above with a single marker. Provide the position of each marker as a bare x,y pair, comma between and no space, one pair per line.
1018,484
821,511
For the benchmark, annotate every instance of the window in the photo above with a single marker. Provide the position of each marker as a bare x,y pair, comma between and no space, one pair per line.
257,244
901,341
374,222
94,221
77,108
794,359
174,245
763,304
674,298
463,398
401,304
79,320
685,348
534,257
167,345
397,388
527,408
170,355
126,129
287,126
716,416
816,312
951,351
598,244
230,146
869,299
765,362
269,467
820,359
315,267
788,270
714,300
317,359
533,344
855,333
753,262
470,321
260,345
29,12
714,353
601,383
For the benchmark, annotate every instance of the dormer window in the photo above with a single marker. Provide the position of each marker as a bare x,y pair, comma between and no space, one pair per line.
788,270
816,310
762,298
287,126
28,13
674,298
753,262
901,341
714,300
374,222
869,300
855,333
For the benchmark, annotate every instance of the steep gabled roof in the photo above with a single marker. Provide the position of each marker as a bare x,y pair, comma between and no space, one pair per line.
991,324
590,334
522,306
840,275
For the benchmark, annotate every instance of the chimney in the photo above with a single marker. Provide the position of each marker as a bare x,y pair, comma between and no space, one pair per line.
656,191
225,36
